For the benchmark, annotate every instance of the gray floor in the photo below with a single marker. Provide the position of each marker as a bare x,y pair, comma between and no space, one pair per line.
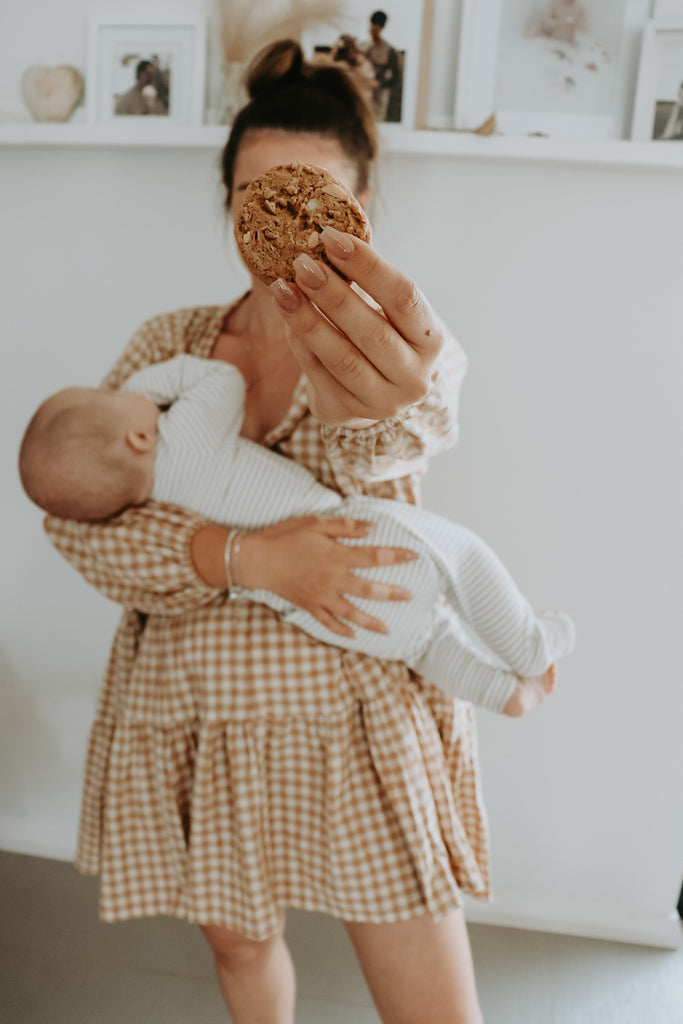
60,966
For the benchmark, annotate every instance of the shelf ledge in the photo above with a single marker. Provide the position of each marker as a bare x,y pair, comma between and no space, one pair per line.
394,140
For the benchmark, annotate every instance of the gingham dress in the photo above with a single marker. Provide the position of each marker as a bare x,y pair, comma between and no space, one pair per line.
236,766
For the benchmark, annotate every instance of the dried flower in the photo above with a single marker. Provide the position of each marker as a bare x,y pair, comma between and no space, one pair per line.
246,26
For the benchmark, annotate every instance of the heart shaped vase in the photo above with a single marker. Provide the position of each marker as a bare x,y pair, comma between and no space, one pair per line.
51,94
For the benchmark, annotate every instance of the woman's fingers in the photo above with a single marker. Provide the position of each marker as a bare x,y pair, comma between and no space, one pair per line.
365,348
331,526
343,382
402,301
332,623
373,336
341,615
345,611
360,362
307,562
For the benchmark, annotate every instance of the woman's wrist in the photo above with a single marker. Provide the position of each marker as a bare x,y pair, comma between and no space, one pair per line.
211,556
253,567
208,554
231,559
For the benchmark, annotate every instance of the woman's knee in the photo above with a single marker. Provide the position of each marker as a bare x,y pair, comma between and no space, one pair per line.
236,952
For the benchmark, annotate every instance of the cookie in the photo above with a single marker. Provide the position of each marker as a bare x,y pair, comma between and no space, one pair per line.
283,213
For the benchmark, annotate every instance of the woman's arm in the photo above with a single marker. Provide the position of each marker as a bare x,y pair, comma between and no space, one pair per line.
384,375
365,459
141,559
164,560
302,561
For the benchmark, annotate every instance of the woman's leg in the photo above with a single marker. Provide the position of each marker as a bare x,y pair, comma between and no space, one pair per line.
419,970
256,978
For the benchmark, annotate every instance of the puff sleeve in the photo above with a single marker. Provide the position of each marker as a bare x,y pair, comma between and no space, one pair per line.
142,557
400,446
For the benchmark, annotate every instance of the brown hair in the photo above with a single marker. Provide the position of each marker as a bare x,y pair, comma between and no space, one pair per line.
69,464
288,93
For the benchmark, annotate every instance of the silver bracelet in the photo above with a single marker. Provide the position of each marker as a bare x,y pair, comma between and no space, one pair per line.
231,558
235,560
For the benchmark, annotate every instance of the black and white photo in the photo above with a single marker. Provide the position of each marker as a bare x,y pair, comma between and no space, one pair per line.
380,45
146,65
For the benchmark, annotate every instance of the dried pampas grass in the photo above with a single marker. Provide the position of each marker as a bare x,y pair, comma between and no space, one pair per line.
246,26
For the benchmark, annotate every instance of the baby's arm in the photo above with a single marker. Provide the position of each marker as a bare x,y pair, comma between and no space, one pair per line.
206,397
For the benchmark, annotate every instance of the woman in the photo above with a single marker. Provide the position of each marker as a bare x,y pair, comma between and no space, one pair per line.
237,767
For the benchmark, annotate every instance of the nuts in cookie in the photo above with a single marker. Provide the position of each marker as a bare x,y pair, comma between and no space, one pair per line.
283,213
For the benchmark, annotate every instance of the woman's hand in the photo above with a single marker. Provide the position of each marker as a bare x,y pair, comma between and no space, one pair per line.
300,560
361,365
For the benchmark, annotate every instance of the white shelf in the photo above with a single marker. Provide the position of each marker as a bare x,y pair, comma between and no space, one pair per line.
31,133
615,152
428,143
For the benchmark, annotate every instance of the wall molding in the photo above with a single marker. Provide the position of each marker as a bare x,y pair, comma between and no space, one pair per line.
36,838
607,922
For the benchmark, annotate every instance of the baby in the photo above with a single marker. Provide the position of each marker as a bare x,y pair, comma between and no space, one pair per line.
172,434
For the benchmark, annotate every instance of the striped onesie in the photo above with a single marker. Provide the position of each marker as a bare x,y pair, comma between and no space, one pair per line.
203,464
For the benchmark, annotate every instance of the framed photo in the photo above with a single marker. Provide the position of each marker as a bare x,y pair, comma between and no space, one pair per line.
561,68
658,111
382,45
146,62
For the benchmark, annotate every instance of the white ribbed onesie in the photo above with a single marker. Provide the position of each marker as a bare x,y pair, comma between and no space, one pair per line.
202,463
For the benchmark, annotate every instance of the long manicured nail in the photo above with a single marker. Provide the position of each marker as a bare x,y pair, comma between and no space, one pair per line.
337,243
286,298
309,272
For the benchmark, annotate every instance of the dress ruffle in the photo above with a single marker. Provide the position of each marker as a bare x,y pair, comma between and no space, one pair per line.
369,813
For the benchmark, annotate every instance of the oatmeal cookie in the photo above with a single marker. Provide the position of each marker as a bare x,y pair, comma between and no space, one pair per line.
283,213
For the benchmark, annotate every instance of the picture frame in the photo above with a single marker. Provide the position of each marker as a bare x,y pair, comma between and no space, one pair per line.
658,109
396,96
538,78
146,63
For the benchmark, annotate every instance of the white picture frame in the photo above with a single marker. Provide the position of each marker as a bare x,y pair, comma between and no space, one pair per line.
658,108
580,89
404,31
170,38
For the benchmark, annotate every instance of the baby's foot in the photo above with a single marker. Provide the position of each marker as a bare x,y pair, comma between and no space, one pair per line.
530,691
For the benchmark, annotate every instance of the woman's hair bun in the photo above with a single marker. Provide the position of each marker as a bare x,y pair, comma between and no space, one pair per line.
289,93
274,65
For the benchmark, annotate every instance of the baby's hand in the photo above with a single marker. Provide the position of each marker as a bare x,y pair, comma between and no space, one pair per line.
530,691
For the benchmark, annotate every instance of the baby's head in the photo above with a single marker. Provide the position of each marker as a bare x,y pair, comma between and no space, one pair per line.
88,454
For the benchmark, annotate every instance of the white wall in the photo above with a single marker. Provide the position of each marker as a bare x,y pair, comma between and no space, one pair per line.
563,284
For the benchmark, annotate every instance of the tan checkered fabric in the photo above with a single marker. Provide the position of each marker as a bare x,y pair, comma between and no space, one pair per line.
236,766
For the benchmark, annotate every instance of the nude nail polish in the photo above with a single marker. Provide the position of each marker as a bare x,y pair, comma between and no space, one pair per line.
286,298
309,272
337,243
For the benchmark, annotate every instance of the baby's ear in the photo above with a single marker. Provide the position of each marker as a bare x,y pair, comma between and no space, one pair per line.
141,441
